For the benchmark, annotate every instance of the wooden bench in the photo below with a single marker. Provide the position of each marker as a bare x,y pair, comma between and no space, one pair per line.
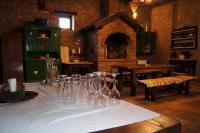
151,85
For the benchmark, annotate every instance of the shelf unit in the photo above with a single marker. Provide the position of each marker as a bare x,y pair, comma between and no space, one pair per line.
184,38
39,41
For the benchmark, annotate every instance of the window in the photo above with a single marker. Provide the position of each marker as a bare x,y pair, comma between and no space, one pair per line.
66,19
66,22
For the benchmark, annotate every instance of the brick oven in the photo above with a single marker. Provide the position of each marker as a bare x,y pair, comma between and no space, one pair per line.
116,46
110,41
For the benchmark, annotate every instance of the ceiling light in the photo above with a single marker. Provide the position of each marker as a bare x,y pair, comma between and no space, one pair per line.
134,4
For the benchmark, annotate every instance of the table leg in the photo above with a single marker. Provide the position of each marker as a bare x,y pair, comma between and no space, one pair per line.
120,80
153,93
147,92
186,87
70,70
133,83
179,88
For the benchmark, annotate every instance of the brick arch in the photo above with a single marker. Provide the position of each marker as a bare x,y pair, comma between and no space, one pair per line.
116,45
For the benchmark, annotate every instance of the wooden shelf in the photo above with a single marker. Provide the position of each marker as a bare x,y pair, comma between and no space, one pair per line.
184,38
185,30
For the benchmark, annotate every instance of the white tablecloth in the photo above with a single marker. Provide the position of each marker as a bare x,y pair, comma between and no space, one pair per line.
43,115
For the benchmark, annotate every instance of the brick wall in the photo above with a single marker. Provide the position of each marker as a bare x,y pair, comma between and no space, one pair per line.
14,13
116,26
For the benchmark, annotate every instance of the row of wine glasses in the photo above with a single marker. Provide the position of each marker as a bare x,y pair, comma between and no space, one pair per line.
104,95
89,89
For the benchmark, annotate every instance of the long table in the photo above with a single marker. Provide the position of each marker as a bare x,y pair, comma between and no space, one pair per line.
133,72
77,67
45,114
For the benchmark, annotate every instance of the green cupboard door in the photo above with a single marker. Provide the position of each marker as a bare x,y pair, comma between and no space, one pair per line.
56,37
36,70
30,42
146,43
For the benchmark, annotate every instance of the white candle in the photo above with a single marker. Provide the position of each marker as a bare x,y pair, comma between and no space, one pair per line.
12,84
79,50
146,28
73,51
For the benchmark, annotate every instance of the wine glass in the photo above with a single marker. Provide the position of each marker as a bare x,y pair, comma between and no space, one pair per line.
100,97
114,93
105,89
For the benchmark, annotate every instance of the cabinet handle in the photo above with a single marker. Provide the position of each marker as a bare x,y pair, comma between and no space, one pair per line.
35,72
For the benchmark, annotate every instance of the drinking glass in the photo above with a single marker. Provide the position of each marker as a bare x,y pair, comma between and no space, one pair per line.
76,76
52,70
69,94
83,87
91,88
76,90
60,87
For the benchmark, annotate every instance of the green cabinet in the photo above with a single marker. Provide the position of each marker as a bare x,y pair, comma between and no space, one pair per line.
39,41
36,70
146,43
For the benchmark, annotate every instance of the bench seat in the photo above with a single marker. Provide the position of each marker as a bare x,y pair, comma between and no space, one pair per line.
151,84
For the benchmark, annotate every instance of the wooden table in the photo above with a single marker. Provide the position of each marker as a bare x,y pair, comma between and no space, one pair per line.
77,67
133,70
160,124
185,66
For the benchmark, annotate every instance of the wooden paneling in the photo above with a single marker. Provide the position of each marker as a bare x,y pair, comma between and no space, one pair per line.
1,74
12,56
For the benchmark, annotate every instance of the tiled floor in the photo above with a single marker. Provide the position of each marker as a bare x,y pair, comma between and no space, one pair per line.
183,108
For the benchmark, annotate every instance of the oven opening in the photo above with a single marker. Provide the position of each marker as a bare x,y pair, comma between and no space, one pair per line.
116,46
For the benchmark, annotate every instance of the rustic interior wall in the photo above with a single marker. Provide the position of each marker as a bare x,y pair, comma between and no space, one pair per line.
174,15
188,15
144,17
119,5
13,14
161,20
